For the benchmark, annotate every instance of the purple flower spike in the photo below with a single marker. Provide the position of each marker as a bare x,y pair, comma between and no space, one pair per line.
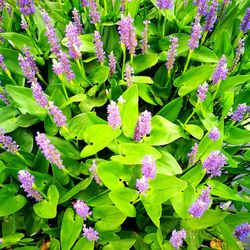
202,91
239,52
74,42
148,167
214,163
27,7
220,72
172,52
93,12
7,143
2,64
82,209
24,25
84,3
90,233
58,117
127,34
28,181
64,60
2,4
129,74
239,113
193,42
165,4
112,64
211,16
192,155
142,185
177,238
143,126
114,117
3,95
144,41
77,21
245,25
242,231
100,54
92,170
57,68
39,95
49,151
202,8
199,207
214,134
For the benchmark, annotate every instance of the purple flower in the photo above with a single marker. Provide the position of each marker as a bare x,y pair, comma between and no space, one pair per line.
82,209
93,12
58,117
112,64
245,25
74,42
64,60
148,167
27,7
202,8
214,134
142,185
199,207
239,113
239,52
2,64
92,170
144,41
177,238
192,155
114,117
129,74
24,25
172,52
84,3
49,151
143,126
123,6
57,68
3,95
90,233
193,42
77,21
2,4
220,72
165,4
242,231
100,54
214,163
39,95
7,143
211,16
28,181
202,91
127,34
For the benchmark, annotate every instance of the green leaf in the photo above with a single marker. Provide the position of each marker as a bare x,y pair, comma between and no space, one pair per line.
204,54
227,103
75,98
154,212
122,199
146,93
71,228
84,243
236,136
87,43
99,75
47,208
194,130
143,62
223,44
194,176
122,244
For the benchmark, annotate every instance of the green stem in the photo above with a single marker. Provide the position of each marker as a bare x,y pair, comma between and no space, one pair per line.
237,39
41,78
124,59
164,26
63,85
204,37
10,76
188,59
22,158
194,110
217,89
105,7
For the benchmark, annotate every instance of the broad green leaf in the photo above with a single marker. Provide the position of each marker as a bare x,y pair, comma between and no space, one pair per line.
232,220
154,212
75,98
122,244
194,176
143,62
204,54
223,44
99,75
227,103
143,79
84,243
146,93
54,244
194,130
236,136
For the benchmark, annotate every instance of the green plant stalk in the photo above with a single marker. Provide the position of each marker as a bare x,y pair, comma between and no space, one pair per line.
40,192
124,59
217,90
63,85
10,76
194,110
164,25
41,78
22,158
190,52
204,37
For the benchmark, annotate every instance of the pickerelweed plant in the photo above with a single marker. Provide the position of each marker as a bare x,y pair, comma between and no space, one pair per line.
124,124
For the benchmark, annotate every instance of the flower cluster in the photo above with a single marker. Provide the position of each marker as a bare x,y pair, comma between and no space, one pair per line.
177,237
114,116
165,4
172,52
144,40
112,63
192,155
77,20
100,54
193,42
143,126
90,233
211,16
3,95
245,25
58,116
202,91
214,134
2,64
202,8
82,209
129,74
93,12
7,143
27,7
239,52
92,170
239,113
242,231
220,72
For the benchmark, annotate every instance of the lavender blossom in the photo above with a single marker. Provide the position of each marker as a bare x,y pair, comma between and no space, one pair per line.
112,64
3,95
93,12
123,6
100,54
242,231
142,185
127,34
192,155
172,52
90,233
202,8
220,72
193,42
143,126
2,64
1,38
239,113
39,95
93,171
211,16
129,74
28,182
165,4
177,238
202,91
214,134
239,52
114,117
2,4
27,7
24,25
214,163
84,3
49,151
7,143
64,60
245,25
58,117
57,68
82,209
144,41
199,207
77,21
148,167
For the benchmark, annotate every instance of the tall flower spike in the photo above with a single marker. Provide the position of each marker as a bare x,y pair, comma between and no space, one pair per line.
74,42
239,113
165,4
129,74
114,117
7,143
214,134
199,207
64,60
2,64
112,63
84,3
142,185
58,117
214,163
144,41
77,21
148,167
3,95
49,151
57,68
39,95
220,72
28,181
127,34
202,91
242,231
27,7
24,25
100,54
211,16
172,52
93,12
90,233
193,42
2,4
202,8
177,238
239,52
245,25
192,155
82,209
143,126
92,170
